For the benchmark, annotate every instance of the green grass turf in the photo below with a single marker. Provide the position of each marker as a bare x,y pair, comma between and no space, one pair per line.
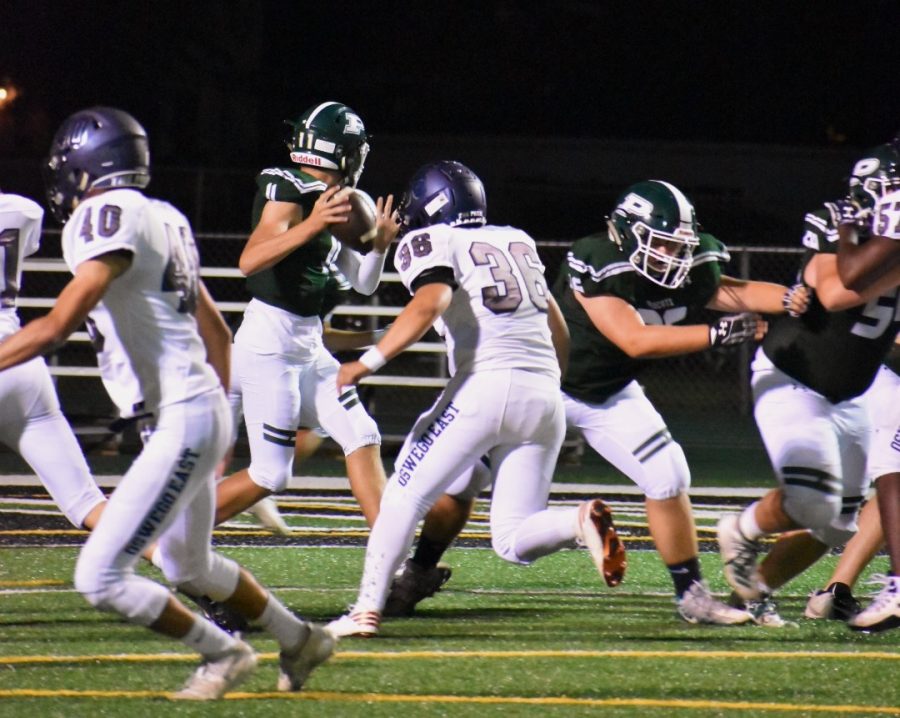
500,640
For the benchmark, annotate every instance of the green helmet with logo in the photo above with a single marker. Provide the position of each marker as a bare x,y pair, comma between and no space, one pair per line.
875,174
332,136
655,223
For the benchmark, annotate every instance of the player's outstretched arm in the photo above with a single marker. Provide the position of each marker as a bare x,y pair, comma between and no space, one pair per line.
739,295
821,273
428,303
92,279
621,323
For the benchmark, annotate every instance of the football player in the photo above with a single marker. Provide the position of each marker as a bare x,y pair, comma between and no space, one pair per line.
33,424
873,208
631,294
814,381
159,338
506,342
283,376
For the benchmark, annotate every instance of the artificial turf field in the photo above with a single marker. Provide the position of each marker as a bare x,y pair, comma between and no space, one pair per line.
547,640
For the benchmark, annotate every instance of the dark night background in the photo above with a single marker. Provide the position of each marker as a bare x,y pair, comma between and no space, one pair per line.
212,81
756,109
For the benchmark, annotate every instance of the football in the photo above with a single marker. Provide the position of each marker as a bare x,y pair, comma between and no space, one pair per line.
359,229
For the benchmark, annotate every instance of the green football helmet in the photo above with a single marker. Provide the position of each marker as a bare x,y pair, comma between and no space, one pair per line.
876,174
656,224
331,136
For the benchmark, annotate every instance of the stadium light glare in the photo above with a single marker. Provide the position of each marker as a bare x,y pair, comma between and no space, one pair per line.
8,94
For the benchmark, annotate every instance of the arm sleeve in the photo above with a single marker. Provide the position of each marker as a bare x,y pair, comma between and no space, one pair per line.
362,271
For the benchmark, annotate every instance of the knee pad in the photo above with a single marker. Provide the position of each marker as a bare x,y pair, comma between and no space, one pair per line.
504,547
665,473
834,536
365,433
843,528
270,472
811,508
218,581
137,599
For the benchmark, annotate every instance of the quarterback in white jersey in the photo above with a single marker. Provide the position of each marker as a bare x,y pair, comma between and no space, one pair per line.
30,416
164,352
507,341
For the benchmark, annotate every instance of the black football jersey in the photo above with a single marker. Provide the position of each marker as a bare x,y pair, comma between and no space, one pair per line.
836,354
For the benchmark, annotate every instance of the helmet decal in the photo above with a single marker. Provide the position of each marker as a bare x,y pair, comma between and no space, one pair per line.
354,125
444,192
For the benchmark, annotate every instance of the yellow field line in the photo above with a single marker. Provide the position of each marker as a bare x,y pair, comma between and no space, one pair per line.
439,655
36,583
685,704
296,533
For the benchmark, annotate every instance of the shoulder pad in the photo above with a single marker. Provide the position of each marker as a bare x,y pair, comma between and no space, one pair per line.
818,230
287,185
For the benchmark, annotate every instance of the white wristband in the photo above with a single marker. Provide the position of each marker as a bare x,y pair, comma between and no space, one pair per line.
373,359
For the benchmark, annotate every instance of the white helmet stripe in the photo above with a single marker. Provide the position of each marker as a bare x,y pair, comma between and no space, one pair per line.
684,205
312,115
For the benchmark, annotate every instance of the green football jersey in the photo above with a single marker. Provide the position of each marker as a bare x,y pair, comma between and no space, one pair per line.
596,267
298,283
836,354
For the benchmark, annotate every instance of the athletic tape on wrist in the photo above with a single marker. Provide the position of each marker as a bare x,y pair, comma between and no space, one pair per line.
373,359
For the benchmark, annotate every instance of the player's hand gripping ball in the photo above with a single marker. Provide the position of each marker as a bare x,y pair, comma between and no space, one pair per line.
359,229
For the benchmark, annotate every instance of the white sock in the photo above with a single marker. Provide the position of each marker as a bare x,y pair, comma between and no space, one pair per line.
281,623
208,639
747,523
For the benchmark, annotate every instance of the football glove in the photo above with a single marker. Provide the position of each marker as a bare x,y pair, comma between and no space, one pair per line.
796,299
733,329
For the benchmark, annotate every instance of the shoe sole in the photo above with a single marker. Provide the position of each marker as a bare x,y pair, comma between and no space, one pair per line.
603,543
883,625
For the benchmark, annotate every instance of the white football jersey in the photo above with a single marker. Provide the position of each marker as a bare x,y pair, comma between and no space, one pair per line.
148,348
20,237
886,216
497,318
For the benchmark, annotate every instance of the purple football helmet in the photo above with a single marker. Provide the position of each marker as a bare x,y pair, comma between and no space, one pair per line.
444,192
100,147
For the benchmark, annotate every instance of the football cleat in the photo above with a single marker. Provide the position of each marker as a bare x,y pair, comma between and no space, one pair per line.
884,611
267,513
765,613
412,584
698,605
594,529
739,558
835,602
362,624
296,665
215,677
